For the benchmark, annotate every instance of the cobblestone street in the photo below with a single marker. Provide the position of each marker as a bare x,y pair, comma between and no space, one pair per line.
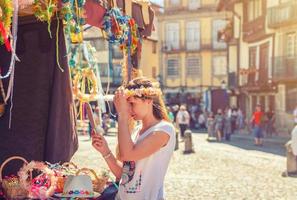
235,170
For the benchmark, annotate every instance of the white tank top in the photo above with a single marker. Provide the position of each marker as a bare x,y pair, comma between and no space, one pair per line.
143,179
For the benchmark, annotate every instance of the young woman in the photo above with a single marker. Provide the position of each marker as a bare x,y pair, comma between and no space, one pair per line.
144,152
219,124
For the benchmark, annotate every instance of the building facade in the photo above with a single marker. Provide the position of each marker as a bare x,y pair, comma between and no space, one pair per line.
267,61
282,20
192,59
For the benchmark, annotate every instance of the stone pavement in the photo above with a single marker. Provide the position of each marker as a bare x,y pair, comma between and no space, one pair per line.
235,170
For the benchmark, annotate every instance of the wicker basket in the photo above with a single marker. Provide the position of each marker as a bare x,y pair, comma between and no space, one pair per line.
12,188
99,183
69,168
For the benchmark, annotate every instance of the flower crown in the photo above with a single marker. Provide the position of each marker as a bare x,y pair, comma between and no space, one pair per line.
143,92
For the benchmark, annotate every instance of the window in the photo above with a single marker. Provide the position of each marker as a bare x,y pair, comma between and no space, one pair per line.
174,2
194,4
103,69
219,65
99,44
117,74
291,98
252,64
291,45
116,52
252,57
254,102
172,36
254,9
193,35
218,25
193,67
172,67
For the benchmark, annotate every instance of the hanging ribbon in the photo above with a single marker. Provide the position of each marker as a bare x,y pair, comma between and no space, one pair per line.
129,64
13,58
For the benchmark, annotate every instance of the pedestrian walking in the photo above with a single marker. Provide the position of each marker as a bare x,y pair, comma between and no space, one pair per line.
240,120
106,123
257,121
270,119
219,123
170,114
202,121
183,120
233,119
227,128
210,126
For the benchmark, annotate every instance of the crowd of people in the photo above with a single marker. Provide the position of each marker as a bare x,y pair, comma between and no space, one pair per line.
224,122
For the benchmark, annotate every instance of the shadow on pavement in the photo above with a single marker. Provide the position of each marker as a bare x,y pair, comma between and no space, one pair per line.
246,142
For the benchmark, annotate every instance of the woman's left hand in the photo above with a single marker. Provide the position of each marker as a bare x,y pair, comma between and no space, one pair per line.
120,101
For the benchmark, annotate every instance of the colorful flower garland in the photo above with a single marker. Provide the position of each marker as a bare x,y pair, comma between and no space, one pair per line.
72,12
121,29
143,92
37,190
45,14
6,12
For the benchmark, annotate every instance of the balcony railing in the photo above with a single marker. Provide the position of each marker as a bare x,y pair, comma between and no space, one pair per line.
168,47
282,15
284,68
261,73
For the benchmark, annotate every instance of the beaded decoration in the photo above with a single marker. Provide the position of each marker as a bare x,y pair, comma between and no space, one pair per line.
77,192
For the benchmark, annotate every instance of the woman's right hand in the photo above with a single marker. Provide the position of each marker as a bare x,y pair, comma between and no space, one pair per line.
99,143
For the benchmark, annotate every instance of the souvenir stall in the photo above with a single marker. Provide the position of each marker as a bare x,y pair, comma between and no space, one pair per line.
41,76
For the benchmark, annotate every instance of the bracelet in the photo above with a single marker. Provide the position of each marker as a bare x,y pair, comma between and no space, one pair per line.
107,156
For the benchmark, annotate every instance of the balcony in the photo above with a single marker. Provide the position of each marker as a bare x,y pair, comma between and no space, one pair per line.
183,46
256,84
284,68
282,15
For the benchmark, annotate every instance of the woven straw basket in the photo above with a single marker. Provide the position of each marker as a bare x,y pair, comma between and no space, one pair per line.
11,186
99,183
